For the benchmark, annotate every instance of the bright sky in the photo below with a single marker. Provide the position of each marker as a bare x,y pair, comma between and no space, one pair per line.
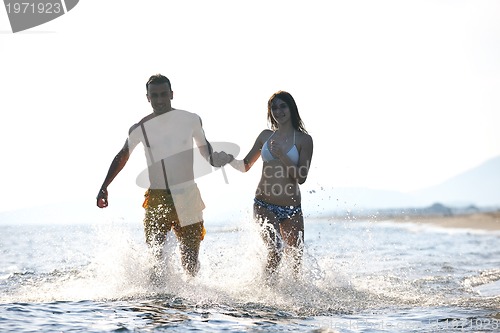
397,95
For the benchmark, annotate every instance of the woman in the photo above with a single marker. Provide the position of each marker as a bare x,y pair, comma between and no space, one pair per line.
286,151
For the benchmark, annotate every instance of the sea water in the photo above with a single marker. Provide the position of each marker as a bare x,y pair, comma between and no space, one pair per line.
357,276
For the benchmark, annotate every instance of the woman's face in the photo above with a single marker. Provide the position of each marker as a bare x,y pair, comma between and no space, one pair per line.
280,111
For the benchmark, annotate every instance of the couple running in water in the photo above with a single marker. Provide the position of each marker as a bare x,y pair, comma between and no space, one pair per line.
173,201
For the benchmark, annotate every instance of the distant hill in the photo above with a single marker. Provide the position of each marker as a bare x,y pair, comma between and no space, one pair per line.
479,186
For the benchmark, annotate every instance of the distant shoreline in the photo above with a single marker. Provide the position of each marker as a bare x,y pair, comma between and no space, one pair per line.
479,221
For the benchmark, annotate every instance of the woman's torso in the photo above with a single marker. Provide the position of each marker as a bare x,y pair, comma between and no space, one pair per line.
276,186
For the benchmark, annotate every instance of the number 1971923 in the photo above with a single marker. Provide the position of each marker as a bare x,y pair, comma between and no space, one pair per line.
32,8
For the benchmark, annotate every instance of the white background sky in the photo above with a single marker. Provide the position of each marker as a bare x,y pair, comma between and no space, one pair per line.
397,95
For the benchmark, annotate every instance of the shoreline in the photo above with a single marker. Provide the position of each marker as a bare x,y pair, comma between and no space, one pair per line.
487,221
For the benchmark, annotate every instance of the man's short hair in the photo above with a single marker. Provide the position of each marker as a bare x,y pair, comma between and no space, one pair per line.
158,79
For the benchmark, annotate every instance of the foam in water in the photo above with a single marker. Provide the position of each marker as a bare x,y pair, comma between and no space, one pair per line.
345,270
231,271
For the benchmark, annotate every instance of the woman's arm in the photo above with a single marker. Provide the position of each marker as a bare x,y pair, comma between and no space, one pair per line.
253,155
305,157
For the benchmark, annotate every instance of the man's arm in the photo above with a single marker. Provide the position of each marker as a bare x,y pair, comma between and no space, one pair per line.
116,166
214,158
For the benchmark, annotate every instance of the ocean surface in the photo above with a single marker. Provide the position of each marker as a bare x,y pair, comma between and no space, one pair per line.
358,276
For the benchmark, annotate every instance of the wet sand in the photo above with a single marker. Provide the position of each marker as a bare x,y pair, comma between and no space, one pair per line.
482,221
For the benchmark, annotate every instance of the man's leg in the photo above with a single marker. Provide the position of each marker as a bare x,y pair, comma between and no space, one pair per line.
155,232
155,229
190,238
155,238
158,219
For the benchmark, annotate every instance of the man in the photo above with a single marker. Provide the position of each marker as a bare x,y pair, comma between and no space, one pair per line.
172,199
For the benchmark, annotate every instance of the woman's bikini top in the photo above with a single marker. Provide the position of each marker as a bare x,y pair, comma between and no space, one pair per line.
293,153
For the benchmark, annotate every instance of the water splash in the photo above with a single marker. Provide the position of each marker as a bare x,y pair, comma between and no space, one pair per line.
348,267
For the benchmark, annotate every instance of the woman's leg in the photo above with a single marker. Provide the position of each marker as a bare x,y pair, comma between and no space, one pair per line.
270,235
292,231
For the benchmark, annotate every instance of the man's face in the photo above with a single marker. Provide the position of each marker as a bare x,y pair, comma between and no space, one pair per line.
160,95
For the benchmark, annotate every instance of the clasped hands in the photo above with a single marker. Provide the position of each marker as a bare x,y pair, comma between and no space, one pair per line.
219,159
